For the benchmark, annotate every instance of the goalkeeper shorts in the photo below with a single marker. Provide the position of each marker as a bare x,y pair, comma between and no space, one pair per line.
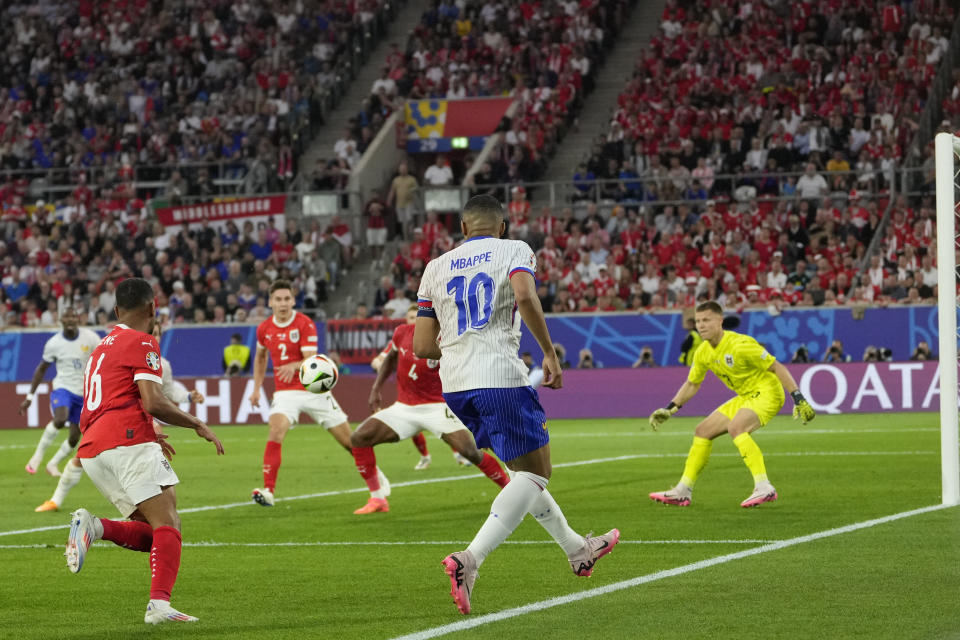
766,402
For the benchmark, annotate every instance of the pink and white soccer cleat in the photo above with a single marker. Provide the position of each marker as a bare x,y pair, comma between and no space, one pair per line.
593,549
461,567
677,496
761,493
159,612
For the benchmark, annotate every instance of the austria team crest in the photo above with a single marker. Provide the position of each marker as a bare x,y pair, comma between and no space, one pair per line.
295,335
728,359
153,360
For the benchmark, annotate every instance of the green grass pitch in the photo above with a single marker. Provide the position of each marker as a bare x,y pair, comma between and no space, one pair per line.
309,568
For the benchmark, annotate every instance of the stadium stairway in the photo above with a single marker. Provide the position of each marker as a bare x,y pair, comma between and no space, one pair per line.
642,23
322,146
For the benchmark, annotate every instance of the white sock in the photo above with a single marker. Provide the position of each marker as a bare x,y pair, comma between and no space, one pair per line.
71,476
547,512
506,513
46,439
64,451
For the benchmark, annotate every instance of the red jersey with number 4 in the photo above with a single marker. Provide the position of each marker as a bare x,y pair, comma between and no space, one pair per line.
113,414
286,344
418,379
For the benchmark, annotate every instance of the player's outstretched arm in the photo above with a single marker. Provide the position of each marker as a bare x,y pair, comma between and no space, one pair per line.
38,374
160,407
425,334
387,366
528,304
802,410
686,392
259,371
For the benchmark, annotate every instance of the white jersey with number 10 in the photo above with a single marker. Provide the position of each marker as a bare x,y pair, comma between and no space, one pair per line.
469,290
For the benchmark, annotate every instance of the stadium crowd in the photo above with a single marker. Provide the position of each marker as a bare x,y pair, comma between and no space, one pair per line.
542,54
726,99
115,90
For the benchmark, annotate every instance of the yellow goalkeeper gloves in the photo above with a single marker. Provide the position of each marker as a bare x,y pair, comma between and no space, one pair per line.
801,408
660,416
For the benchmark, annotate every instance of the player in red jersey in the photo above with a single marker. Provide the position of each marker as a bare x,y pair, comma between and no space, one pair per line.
288,337
123,455
419,407
418,440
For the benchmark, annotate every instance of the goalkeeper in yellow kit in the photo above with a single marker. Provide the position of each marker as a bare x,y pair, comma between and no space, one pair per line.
759,382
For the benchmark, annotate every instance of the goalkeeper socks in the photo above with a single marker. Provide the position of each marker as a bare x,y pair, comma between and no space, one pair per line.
366,461
696,460
752,457
129,534
507,511
271,464
547,512
46,439
68,480
492,469
164,562
420,442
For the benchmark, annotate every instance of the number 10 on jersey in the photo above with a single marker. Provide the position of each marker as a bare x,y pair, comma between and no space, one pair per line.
474,300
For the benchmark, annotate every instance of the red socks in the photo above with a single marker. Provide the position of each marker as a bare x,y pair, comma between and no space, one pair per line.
493,470
130,535
366,461
421,443
271,464
164,562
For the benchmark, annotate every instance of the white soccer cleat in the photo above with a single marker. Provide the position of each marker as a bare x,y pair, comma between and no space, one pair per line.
461,460
160,611
384,483
52,470
263,497
763,492
423,464
83,533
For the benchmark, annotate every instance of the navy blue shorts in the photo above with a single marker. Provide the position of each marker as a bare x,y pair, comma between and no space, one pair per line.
510,421
63,398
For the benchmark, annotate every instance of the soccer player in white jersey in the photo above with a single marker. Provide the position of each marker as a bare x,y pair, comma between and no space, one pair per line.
73,470
69,348
467,318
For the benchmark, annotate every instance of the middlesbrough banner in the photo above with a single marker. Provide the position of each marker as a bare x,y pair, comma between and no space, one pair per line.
863,387
359,341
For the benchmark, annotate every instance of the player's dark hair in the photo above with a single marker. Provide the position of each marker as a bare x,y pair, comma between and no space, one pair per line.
280,284
134,293
710,305
483,206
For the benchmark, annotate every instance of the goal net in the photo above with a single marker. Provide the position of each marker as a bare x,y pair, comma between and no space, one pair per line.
947,150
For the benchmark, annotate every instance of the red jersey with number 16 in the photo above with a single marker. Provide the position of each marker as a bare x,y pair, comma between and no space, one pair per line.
113,414
286,343
418,379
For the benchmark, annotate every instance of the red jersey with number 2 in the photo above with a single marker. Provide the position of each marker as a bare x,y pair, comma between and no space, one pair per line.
286,344
418,379
113,414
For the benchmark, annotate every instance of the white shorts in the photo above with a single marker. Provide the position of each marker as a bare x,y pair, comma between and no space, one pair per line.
407,420
126,476
377,237
322,407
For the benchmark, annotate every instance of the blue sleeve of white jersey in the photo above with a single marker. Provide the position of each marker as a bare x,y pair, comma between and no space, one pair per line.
524,259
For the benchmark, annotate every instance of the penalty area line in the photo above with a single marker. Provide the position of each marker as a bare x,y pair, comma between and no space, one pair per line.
533,607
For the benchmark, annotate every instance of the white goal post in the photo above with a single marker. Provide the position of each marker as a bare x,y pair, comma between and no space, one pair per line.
947,161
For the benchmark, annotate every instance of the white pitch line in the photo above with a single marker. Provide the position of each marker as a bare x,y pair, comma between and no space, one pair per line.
470,623
559,465
403,543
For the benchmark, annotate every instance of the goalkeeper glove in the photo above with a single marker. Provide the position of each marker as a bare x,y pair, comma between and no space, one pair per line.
660,416
801,408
